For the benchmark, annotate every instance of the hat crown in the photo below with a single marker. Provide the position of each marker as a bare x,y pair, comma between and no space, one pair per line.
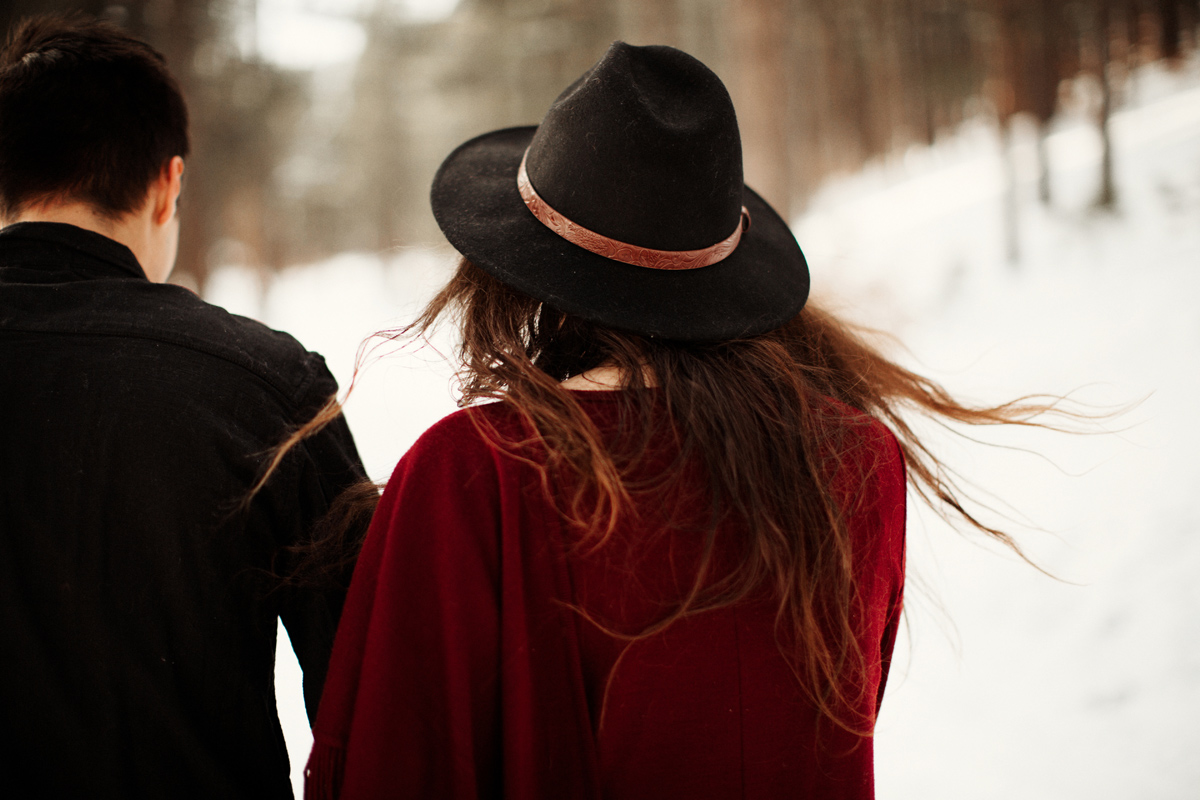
644,148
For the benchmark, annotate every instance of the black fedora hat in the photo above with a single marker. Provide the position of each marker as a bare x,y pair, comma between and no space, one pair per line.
626,206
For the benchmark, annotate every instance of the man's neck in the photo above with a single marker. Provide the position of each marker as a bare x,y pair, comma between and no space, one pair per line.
80,215
128,230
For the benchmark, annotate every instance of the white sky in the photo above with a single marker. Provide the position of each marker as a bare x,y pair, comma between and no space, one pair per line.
308,34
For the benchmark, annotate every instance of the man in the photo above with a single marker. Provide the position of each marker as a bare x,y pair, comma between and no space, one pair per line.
139,584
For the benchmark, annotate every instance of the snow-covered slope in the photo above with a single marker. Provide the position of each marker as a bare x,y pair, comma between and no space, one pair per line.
1011,684
1085,687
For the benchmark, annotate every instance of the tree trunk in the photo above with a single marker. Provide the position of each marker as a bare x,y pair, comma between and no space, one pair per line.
1043,157
1169,28
761,96
1107,196
1012,249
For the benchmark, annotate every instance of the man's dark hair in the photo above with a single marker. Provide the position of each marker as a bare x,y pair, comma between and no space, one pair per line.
87,113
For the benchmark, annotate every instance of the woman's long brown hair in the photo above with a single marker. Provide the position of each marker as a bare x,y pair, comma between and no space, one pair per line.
755,413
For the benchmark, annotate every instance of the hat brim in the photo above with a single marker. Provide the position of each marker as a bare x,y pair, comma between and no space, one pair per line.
758,287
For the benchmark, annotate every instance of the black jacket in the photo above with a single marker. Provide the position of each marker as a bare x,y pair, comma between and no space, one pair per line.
138,605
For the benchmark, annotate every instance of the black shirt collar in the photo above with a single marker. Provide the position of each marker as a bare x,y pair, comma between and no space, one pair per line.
94,246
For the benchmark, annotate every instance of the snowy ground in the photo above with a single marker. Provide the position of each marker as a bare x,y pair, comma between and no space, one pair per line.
1011,684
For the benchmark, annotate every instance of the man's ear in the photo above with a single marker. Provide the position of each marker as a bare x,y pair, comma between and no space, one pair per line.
166,189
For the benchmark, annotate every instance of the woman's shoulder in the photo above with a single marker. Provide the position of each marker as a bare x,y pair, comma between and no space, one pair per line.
864,462
468,435
869,479
457,426
849,431
452,469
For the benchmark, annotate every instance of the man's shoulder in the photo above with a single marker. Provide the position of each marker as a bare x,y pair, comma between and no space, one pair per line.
273,355
175,317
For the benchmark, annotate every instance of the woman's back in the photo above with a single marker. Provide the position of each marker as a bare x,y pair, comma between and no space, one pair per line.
485,643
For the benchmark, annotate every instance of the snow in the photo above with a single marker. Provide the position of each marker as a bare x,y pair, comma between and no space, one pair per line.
1009,683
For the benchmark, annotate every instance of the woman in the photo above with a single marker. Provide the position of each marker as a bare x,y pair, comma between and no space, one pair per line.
669,561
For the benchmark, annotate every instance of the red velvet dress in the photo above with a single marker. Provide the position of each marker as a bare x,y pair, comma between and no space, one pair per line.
462,667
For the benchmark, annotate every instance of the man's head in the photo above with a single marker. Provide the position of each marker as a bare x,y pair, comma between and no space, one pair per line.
90,117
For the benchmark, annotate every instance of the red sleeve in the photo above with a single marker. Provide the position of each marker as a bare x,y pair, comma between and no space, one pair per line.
410,706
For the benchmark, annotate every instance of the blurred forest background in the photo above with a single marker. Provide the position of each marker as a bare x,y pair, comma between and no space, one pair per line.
301,151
